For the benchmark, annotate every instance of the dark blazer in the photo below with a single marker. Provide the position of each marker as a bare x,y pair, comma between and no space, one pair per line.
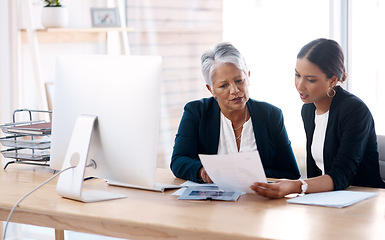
199,130
350,148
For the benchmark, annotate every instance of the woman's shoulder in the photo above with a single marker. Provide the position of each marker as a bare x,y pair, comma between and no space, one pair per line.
346,101
263,105
264,111
201,103
202,106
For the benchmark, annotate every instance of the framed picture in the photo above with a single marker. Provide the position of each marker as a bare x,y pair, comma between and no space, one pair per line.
105,17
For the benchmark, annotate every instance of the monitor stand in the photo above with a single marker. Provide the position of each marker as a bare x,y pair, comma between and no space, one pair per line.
70,182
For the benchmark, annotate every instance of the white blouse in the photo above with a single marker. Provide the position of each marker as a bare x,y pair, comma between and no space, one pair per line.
227,142
317,147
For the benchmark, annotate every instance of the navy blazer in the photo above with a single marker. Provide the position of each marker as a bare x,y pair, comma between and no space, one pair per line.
199,131
350,148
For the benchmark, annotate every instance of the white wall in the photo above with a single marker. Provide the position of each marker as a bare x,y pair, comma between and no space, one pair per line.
79,17
5,99
366,78
269,34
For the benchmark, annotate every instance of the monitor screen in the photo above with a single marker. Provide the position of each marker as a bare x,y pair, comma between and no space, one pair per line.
123,92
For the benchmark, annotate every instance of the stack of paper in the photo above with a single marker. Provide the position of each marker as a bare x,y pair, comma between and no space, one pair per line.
338,199
209,193
34,129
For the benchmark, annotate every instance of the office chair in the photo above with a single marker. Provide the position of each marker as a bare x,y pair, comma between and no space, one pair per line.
381,153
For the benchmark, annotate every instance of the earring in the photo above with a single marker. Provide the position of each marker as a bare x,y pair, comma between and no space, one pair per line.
334,92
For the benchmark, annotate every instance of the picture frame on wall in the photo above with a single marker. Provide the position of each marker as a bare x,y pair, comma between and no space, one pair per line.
105,17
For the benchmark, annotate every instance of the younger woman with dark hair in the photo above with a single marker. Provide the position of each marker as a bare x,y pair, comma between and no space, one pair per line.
341,139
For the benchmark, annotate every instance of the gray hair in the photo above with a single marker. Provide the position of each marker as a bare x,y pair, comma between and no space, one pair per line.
220,54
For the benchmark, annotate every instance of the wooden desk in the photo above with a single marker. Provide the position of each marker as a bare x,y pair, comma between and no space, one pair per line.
152,215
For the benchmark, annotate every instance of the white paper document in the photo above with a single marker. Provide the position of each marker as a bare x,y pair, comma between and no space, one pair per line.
189,183
209,193
337,199
234,172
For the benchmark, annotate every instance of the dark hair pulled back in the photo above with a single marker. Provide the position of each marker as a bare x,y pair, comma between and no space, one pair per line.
327,54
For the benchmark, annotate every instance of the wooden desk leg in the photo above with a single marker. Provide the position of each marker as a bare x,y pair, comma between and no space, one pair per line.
59,234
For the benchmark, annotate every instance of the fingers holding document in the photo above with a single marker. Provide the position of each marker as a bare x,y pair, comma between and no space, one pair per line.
277,189
204,176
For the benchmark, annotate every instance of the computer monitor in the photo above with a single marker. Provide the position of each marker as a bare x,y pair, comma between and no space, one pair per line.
123,92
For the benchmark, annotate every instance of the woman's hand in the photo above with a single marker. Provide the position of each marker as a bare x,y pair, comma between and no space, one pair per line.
278,189
205,177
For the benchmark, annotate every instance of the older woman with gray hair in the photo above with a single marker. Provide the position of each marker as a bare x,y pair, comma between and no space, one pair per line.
230,122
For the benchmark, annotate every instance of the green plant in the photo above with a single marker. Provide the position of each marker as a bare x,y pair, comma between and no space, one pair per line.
52,3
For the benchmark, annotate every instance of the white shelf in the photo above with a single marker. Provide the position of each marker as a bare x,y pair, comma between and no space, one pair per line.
73,34
108,29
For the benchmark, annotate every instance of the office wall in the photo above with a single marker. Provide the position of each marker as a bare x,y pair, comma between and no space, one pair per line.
6,96
179,31
366,77
79,16
5,73
17,79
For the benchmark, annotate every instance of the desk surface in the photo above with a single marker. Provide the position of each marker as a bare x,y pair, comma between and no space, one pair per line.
150,215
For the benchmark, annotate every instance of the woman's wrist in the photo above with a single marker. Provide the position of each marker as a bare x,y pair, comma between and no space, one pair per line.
297,184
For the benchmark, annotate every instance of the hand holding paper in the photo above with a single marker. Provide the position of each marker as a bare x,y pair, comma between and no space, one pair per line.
234,172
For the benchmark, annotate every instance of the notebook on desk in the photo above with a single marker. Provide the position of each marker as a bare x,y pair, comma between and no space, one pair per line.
338,199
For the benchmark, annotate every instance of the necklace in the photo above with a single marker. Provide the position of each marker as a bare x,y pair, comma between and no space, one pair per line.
239,137
235,129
